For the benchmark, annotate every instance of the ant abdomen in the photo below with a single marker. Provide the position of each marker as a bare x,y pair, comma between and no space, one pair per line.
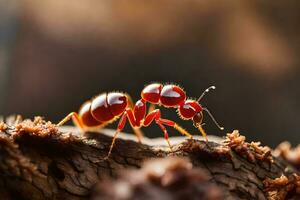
86,117
106,107
103,108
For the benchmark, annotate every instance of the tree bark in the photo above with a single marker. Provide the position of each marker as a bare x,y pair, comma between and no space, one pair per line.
41,161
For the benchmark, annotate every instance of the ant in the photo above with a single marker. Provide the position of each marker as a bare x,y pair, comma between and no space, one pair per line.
107,107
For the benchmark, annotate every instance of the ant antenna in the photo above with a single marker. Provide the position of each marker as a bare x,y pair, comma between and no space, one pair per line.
206,91
212,117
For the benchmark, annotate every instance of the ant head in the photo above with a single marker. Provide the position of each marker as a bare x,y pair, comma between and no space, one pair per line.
197,119
192,110
189,109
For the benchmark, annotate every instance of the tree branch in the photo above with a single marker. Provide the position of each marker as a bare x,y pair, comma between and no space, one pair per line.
40,161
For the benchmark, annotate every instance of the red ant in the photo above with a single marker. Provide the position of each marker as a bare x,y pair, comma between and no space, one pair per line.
107,107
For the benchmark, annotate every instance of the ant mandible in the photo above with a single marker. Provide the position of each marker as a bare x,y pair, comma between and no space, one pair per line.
107,107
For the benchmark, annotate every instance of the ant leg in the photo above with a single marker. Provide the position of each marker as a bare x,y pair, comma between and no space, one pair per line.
175,126
163,128
128,114
130,101
75,117
202,132
120,127
155,115
137,131
151,108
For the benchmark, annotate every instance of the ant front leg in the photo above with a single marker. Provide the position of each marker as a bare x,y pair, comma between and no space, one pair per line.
176,126
200,128
76,119
156,115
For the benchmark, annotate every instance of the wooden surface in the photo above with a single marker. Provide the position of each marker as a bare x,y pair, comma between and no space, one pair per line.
40,161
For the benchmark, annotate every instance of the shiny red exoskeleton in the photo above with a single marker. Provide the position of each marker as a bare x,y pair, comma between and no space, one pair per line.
107,107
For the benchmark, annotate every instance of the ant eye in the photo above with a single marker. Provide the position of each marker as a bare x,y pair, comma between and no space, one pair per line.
197,119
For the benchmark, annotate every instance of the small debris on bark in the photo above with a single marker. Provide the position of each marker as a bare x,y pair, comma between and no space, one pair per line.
283,187
252,151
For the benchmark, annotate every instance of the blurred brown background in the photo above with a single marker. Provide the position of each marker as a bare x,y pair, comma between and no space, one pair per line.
54,55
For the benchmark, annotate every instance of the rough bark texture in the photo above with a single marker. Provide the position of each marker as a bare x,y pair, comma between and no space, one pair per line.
39,161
